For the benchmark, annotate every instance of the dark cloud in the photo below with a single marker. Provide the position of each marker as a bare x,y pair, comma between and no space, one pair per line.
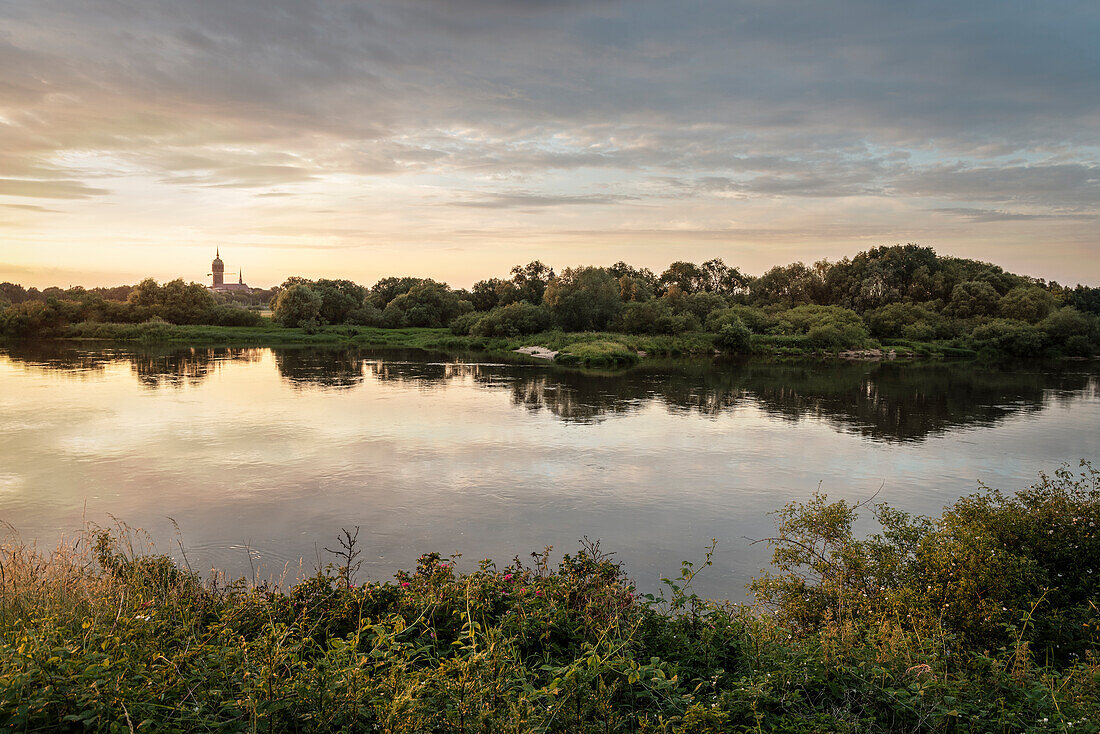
985,107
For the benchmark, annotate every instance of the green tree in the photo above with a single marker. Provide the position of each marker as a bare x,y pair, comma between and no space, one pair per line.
298,305
1027,303
426,304
530,281
973,298
585,298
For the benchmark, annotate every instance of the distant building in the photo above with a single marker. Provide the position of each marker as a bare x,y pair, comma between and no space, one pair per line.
217,269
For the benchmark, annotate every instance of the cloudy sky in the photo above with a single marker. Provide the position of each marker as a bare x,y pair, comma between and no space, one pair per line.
455,138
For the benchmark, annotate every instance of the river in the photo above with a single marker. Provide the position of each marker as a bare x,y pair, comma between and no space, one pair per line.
261,456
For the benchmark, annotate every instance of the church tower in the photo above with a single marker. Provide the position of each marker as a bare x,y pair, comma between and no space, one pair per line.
217,269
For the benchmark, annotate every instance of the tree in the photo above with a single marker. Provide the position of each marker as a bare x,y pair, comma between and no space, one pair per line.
793,285
531,281
338,298
717,277
585,298
426,304
973,298
387,289
1027,303
298,305
684,275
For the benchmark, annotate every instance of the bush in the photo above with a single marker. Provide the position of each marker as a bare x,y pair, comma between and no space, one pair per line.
1013,338
515,319
994,569
734,338
655,316
836,336
367,314
1065,323
462,325
597,355
756,319
907,320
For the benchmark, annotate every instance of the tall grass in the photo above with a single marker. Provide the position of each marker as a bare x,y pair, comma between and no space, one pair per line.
103,634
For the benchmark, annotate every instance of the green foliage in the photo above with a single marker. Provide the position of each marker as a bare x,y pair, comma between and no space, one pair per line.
1066,323
584,299
973,298
515,319
734,338
1008,337
983,620
1027,303
425,304
655,316
906,321
597,355
993,571
297,305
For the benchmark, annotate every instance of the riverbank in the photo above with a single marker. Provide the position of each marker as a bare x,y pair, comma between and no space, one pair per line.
589,349
984,616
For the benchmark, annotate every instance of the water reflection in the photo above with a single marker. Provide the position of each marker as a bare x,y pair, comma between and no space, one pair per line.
882,401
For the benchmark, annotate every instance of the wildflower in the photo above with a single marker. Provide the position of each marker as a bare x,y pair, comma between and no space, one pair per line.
538,592
507,577
404,584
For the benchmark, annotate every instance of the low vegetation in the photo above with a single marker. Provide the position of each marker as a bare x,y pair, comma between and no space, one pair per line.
982,620
905,297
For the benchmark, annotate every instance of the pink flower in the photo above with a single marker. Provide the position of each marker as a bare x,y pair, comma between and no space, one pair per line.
404,584
522,589
538,592
507,577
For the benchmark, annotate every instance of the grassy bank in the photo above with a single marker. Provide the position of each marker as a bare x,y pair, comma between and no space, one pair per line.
593,349
982,620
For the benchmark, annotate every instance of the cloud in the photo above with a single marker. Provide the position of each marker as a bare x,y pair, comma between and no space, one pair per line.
528,200
61,189
715,111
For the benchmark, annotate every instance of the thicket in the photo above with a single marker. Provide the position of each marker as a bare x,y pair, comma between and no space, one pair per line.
903,295
982,620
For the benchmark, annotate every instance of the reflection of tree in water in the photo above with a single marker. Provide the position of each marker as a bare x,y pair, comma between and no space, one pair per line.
338,368
186,366
884,401
889,402
154,367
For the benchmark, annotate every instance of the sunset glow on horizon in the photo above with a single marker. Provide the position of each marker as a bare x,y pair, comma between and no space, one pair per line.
325,138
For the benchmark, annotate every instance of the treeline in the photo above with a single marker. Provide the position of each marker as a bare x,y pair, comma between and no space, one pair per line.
49,312
899,295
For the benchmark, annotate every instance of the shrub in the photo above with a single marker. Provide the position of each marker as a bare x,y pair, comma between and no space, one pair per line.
734,338
600,354
1013,338
367,314
462,325
1065,323
655,316
757,319
515,319
994,569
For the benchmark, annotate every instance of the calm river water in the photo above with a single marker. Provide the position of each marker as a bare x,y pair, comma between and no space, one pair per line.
272,451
